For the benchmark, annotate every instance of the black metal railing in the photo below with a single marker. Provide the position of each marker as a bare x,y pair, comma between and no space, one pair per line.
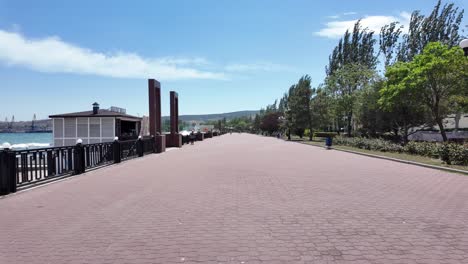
98,154
23,168
128,149
35,165
148,145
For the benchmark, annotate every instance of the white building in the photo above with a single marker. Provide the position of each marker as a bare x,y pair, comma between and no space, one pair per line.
94,126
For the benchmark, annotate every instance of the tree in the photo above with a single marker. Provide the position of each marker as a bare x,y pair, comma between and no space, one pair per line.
373,120
320,106
355,47
399,115
344,84
257,123
270,122
299,106
435,77
288,117
441,25
388,40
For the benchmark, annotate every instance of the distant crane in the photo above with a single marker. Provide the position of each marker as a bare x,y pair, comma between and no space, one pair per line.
32,123
10,125
5,123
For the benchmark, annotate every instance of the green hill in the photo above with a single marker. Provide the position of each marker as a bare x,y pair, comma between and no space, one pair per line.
211,117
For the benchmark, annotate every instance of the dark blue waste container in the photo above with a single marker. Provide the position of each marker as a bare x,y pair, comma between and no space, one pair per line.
328,142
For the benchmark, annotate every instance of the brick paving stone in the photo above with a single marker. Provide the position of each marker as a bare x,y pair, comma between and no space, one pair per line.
242,199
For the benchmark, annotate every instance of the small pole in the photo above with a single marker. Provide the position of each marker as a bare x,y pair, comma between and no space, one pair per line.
116,150
7,170
139,147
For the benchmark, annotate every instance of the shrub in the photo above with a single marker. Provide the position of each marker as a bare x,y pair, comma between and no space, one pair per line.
369,144
325,134
428,149
454,153
444,153
450,153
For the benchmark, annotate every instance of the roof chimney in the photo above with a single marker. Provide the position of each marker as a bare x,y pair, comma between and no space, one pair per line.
95,108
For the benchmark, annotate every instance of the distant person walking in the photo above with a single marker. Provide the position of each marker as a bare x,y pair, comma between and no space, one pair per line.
192,137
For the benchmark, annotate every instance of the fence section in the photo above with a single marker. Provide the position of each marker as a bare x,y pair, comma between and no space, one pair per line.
22,168
37,165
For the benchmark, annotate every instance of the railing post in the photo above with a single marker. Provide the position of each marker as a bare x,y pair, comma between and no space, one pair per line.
50,163
139,147
116,150
7,170
79,157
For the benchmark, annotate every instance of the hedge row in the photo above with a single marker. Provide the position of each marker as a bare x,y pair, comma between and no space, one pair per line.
325,134
450,153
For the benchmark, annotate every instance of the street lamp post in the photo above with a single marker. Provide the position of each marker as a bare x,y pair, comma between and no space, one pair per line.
464,46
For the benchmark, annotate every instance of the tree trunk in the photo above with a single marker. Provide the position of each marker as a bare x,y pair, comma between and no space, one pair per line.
405,135
457,121
350,115
442,130
337,126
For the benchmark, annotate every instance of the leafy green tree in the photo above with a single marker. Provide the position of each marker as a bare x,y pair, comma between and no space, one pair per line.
435,78
356,47
388,40
241,124
256,123
344,85
442,25
283,104
288,122
320,106
372,119
299,106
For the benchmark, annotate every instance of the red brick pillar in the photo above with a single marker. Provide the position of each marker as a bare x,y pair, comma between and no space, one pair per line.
175,139
155,127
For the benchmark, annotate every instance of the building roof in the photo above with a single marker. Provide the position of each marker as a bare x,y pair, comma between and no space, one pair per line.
101,113
435,136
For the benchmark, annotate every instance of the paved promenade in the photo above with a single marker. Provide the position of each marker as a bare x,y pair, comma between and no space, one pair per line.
242,199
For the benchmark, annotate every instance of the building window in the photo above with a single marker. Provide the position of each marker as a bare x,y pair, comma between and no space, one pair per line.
58,128
70,127
82,128
95,127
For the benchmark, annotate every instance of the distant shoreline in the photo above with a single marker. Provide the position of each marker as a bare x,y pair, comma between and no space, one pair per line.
27,132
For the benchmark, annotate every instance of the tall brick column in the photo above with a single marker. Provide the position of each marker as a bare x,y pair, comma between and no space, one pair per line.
175,139
155,127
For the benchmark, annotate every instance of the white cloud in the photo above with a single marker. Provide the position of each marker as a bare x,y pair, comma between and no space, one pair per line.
336,28
342,14
255,67
333,17
51,54
197,61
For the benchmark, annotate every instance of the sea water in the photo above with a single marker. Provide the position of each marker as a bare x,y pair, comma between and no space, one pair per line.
26,140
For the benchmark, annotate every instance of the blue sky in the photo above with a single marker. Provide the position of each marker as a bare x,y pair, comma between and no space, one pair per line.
221,56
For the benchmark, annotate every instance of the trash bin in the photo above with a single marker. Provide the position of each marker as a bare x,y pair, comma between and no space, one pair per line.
328,142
